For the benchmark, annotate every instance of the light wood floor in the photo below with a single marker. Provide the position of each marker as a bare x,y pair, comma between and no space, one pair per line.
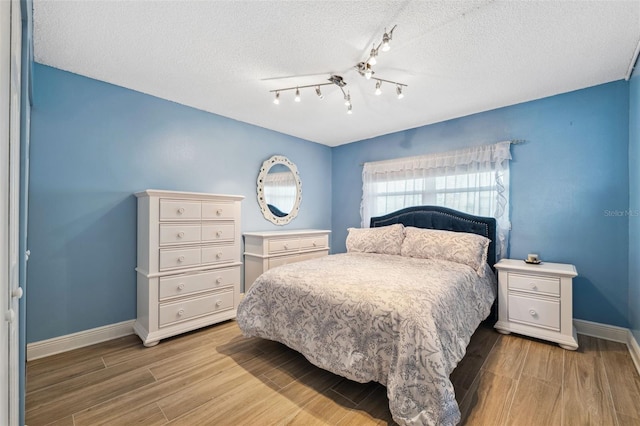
215,376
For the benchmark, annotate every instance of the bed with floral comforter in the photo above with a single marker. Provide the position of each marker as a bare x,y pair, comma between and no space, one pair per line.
401,321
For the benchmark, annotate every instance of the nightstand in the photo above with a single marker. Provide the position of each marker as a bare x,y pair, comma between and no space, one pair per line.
537,301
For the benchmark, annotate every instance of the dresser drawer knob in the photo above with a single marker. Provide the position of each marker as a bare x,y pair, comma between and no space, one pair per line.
218,234
218,255
180,286
181,259
533,313
219,280
181,210
286,246
218,303
533,286
181,312
219,212
180,234
314,244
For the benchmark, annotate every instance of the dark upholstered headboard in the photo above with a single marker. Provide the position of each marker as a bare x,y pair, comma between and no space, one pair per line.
434,217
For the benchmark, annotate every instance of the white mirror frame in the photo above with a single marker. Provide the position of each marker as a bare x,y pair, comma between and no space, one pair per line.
262,202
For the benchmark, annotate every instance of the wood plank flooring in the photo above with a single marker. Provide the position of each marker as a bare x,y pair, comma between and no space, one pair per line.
215,376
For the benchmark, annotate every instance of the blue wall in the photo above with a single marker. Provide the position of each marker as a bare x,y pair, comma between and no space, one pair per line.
634,204
567,182
92,146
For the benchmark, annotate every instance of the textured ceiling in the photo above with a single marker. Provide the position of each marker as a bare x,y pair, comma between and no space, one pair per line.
457,58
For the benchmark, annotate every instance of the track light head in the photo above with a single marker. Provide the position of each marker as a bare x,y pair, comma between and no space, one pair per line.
378,91
372,57
276,100
386,38
399,92
349,109
347,99
319,93
297,98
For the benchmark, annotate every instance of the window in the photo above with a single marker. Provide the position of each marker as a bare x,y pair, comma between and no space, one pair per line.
473,180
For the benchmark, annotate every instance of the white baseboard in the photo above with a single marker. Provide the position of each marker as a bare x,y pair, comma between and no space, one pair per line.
601,331
613,333
634,350
77,340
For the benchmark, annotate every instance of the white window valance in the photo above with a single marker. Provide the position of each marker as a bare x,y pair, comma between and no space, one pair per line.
474,180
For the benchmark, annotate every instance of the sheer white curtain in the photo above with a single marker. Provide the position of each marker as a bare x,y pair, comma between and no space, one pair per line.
280,190
472,180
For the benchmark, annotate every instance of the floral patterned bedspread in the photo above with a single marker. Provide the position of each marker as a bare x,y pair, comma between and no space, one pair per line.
399,321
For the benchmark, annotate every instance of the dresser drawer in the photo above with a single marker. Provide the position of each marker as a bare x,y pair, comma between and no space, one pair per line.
214,210
185,284
315,242
219,254
538,312
280,246
534,284
179,258
218,232
179,210
170,313
179,234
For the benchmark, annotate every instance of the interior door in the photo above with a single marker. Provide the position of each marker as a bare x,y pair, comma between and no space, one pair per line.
5,67
10,292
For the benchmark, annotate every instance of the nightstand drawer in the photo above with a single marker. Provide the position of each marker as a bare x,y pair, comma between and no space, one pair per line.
279,246
534,284
538,312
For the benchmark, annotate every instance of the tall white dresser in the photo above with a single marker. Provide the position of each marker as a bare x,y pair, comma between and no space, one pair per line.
189,261
266,250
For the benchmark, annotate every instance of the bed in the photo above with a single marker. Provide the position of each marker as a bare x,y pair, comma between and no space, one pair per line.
398,308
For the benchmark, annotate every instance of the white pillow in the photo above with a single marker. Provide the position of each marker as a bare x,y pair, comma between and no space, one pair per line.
459,247
383,240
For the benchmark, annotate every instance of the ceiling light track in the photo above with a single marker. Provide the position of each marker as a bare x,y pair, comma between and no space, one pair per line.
364,68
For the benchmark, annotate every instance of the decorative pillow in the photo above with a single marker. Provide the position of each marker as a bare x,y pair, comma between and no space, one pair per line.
459,247
383,240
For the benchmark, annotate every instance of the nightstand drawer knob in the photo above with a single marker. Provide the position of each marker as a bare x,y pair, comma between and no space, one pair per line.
181,312
533,286
286,247
219,255
180,286
218,234
533,312
181,259
181,210
218,303
219,212
219,280
180,234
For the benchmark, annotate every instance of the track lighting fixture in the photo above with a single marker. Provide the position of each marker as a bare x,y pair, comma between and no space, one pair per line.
347,99
364,68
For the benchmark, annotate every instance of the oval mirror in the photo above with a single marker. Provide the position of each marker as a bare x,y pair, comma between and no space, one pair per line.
279,190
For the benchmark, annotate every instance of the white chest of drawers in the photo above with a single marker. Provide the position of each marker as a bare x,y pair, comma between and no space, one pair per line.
189,262
266,250
537,301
